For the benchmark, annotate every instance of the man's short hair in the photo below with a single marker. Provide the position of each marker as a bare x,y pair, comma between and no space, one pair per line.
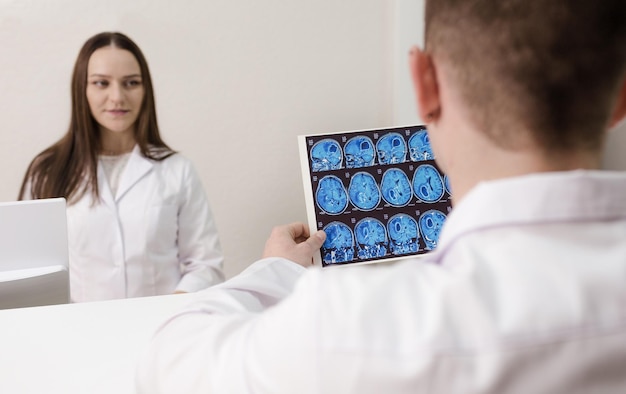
553,67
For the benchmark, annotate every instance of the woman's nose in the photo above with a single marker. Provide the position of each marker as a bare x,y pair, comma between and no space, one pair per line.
116,93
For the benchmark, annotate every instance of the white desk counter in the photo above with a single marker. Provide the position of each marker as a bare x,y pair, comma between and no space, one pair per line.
86,348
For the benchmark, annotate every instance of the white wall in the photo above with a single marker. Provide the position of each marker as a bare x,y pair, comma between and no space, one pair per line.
235,81
408,31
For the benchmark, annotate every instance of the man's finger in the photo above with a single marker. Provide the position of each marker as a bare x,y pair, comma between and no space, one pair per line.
315,241
298,230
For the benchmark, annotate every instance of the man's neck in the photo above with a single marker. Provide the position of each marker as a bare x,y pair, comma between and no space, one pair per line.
493,163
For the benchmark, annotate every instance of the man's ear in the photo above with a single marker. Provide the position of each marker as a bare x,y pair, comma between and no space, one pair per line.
619,111
425,84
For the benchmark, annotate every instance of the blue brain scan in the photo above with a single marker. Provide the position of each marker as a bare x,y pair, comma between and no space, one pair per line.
395,187
359,152
403,234
419,147
363,191
331,196
446,183
427,183
339,244
326,155
371,238
391,149
431,223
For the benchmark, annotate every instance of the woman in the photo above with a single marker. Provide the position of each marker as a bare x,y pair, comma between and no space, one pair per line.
139,223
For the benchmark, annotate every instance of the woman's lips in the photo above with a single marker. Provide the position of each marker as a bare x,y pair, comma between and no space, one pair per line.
118,112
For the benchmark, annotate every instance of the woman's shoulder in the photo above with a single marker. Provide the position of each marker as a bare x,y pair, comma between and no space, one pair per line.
160,154
172,161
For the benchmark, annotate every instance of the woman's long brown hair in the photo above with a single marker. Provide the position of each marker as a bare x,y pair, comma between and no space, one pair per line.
69,167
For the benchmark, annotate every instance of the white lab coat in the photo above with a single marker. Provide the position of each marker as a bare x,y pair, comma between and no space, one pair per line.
526,293
156,236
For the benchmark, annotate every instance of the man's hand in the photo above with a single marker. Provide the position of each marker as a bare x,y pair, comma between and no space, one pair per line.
293,242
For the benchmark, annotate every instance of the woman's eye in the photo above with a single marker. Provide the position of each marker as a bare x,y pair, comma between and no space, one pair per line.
133,83
101,83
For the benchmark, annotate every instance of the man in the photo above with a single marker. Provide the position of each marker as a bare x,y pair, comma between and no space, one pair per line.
526,292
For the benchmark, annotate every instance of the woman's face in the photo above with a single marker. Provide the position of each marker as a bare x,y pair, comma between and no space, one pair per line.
114,89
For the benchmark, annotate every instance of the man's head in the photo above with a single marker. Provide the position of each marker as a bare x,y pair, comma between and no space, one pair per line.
551,67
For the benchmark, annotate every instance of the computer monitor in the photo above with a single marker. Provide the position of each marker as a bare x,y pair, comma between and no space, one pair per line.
33,253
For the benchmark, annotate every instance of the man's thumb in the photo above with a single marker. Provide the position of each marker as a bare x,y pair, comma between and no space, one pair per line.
316,240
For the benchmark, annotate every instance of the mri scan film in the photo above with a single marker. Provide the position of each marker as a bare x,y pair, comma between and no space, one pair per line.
378,194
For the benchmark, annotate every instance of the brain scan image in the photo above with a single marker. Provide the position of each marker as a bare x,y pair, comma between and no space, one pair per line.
391,149
359,152
395,187
339,244
431,223
326,155
403,234
427,183
363,191
371,238
446,183
331,196
377,193
419,147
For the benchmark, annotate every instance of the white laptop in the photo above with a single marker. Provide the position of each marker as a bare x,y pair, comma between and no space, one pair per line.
33,253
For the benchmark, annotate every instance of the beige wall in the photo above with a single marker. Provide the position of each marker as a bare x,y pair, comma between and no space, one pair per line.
236,82
406,34
615,158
